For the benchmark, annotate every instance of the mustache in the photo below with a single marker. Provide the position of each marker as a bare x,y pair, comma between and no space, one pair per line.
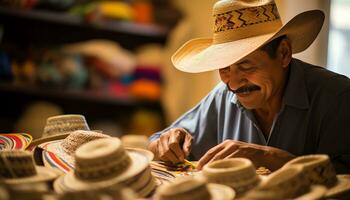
243,89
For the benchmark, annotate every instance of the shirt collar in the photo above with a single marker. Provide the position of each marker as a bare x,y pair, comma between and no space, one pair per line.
295,94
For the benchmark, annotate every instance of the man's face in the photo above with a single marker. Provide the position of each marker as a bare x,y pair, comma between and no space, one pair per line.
256,79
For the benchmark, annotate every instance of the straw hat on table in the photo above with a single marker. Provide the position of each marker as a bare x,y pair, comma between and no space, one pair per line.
193,188
17,167
241,27
59,127
104,163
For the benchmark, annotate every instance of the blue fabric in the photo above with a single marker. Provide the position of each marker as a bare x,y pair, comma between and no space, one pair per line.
314,118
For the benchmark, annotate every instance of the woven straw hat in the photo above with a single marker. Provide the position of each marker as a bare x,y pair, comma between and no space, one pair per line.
104,163
237,173
286,183
193,188
319,170
59,127
17,167
241,27
66,148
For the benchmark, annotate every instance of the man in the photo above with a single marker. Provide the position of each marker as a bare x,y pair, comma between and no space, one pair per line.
269,107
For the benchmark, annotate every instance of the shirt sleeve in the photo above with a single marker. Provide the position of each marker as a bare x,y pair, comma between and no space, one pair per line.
200,122
335,137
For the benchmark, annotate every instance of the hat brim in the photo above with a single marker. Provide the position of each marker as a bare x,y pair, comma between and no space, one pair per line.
201,55
144,152
69,182
43,175
55,147
315,192
221,192
41,140
341,188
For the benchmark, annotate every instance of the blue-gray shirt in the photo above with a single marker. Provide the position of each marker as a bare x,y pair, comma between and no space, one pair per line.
314,118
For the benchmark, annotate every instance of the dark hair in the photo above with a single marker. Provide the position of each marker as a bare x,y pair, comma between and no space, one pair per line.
271,47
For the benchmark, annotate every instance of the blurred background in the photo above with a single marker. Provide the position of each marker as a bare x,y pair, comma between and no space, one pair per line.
110,60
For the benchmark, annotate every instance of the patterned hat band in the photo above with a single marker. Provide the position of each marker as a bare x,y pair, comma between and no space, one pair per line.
16,164
102,168
246,22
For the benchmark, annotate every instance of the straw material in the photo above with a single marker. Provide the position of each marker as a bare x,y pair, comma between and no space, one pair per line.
103,163
59,127
66,148
237,173
17,167
319,170
241,27
193,188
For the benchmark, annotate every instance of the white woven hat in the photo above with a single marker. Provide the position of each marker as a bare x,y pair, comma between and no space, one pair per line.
104,163
66,148
241,27
237,173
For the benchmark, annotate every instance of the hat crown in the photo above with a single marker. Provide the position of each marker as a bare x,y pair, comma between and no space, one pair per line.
62,124
238,173
317,168
16,164
239,19
101,159
79,137
185,188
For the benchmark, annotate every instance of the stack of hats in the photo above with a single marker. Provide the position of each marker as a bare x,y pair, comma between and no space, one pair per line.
104,163
60,153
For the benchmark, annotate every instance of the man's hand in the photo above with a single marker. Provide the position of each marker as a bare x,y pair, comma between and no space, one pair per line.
261,156
174,145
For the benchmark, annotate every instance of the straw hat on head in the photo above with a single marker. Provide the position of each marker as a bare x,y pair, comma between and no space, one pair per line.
103,163
66,148
193,188
17,167
319,170
237,173
59,127
241,27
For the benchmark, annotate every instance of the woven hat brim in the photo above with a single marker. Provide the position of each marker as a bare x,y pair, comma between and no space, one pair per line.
144,152
340,188
41,140
221,192
69,182
43,175
55,147
315,192
201,55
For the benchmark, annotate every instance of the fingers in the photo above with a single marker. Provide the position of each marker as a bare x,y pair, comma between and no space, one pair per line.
165,152
187,145
174,145
227,151
209,155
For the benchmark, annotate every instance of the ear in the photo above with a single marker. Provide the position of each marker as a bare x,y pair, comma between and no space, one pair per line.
285,52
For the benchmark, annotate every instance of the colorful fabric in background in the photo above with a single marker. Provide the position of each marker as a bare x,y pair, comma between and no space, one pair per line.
15,141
